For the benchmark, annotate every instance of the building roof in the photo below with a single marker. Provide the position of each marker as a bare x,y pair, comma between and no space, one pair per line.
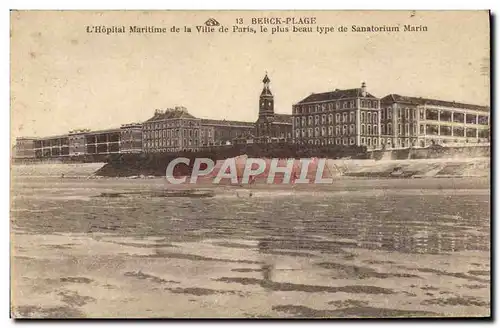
335,95
171,114
207,121
436,102
283,118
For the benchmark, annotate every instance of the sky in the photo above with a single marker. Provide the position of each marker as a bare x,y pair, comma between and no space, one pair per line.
63,78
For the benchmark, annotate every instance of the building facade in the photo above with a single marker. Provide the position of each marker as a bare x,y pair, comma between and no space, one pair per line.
131,138
271,127
340,117
421,122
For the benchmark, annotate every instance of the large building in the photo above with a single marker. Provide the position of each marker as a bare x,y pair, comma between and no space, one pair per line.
421,122
271,127
176,129
339,117
356,117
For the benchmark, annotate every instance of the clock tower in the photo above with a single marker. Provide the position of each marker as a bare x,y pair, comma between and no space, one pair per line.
266,110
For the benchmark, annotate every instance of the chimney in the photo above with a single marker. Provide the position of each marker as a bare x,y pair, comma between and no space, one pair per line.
363,89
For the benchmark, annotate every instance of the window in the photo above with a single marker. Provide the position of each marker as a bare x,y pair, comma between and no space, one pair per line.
399,112
337,130
316,120
309,133
363,117
375,129
389,128
351,117
323,107
297,133
375,118
362,103
297,120
362,141
344,129
323,131
389,113
330,130
369,142
369,116
382,128
337,117
351,141
310,120
399,129
323,119
344,104
363,129
382,114
351,104
369,128
330,106
351,129
304,120
330,119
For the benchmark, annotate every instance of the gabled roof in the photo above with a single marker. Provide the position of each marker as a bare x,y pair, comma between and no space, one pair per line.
392,98
335,95
170,114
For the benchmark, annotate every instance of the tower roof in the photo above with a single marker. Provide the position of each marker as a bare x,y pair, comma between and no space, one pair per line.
266,79
266,91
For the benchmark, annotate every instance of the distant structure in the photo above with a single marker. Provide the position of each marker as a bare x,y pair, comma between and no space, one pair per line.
176,129
341,117
356,117
421,122
271,127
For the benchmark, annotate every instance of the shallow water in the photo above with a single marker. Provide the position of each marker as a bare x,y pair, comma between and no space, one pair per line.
362,248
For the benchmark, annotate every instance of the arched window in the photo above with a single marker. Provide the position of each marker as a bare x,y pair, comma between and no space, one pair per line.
344,129
351,129
369,129
389,128
363,129
330,119
375,129
363,117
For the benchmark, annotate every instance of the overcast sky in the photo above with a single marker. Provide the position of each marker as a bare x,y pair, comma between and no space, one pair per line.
64,78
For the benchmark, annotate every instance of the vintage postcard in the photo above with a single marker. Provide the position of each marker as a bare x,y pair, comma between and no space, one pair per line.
250,164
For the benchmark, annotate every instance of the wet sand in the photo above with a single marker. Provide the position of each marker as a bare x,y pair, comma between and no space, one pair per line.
358,248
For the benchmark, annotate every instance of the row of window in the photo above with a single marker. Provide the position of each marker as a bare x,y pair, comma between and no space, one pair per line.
170,143
174,133
168,124
366,117
339,130
308,109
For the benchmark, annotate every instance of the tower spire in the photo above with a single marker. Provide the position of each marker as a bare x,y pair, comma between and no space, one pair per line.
266,91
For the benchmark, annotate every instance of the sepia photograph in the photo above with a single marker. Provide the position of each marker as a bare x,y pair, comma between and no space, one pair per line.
253,164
